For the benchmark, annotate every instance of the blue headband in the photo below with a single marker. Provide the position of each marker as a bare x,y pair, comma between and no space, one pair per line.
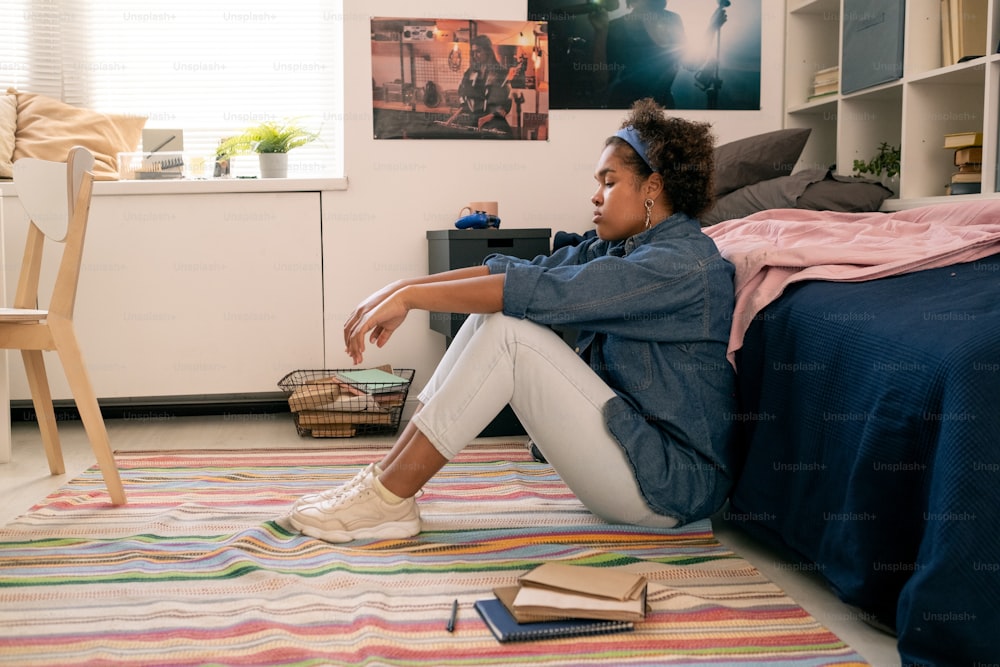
632,138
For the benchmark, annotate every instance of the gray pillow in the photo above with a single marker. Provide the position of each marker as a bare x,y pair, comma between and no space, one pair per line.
758,158
814,189
844,193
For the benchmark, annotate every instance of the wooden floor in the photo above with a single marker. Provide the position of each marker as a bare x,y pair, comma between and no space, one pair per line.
25,481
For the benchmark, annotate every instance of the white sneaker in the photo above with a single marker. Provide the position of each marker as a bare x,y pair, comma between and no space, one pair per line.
330,494
358,514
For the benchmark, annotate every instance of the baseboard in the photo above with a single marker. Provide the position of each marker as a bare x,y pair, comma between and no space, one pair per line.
162,407
146,408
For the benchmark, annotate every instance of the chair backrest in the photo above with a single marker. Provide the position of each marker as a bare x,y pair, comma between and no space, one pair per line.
56,196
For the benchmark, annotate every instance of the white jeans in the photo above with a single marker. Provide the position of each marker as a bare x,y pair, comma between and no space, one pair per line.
495,360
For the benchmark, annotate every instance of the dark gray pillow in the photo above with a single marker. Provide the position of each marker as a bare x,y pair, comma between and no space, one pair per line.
758,158
844,193
814,189
781,192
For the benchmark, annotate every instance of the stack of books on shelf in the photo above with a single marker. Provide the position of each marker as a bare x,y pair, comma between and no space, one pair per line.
963,30
562,600
967,150
825,82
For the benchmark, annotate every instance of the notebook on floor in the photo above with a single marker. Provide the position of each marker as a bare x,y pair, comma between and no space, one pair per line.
506,628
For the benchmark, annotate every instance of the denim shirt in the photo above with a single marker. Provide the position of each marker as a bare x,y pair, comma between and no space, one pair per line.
654,313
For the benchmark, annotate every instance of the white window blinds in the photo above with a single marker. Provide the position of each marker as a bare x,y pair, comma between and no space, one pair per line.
210,68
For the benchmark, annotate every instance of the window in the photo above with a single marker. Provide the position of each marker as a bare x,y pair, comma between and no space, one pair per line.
210,68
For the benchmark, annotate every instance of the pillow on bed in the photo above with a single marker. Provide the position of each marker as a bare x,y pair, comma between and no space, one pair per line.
844,193
758,158
48,128
813,189
8,125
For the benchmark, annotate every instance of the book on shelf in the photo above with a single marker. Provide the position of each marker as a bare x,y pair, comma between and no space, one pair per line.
947,53
819,96
970,155
967,139
967,177
826,88
579,591
825,82
968,29
826,75
963,30
965,188
507,629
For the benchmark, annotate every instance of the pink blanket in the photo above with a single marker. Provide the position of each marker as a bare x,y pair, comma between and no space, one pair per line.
775,248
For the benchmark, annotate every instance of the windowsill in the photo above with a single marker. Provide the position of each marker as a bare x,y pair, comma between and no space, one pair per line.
211,186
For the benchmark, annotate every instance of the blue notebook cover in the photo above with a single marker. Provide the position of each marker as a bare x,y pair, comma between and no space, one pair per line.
506,629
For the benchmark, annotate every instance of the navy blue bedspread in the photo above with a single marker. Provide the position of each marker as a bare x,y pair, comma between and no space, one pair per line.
871,415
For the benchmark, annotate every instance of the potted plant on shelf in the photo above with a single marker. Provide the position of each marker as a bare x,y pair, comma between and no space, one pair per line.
271,141
884,166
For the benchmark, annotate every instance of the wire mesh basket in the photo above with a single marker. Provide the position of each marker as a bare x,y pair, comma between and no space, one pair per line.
342,403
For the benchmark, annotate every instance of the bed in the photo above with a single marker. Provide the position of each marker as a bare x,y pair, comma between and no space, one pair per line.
867,349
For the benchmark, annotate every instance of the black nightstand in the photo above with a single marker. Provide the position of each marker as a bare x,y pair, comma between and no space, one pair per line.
449,249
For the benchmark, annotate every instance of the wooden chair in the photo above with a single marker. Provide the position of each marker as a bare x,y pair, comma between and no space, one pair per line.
56,197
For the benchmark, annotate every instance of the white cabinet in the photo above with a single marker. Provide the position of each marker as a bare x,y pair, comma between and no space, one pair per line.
190,294
5,445
914,112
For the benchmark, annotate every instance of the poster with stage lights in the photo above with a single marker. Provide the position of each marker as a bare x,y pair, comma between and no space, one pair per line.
460,79
686,54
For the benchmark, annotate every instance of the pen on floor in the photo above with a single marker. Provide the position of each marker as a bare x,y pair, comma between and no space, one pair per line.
454,615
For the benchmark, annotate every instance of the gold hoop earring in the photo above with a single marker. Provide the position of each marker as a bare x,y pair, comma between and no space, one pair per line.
649,211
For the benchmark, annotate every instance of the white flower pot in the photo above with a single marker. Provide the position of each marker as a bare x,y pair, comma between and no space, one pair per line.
273,165
891,182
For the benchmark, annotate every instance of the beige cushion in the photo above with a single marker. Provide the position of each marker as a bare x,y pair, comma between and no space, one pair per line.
48,128
8,125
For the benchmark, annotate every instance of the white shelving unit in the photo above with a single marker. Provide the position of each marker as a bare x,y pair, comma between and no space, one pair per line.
914,112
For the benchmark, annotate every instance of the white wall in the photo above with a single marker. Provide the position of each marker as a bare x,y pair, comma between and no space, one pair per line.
374,232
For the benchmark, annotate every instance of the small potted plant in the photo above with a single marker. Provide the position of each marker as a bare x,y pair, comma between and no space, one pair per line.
884,166
271,140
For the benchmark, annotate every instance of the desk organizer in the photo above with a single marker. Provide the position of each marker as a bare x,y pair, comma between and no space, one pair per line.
150,166
343,403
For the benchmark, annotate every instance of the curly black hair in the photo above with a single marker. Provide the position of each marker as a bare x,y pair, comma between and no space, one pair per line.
682,151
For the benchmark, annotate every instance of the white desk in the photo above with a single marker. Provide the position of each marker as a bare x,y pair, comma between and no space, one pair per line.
4,383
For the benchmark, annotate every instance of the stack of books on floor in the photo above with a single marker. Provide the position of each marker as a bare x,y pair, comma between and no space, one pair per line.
825,82
967,150
340,403
561,600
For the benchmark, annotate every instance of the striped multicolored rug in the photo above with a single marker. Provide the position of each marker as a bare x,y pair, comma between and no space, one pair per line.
196,570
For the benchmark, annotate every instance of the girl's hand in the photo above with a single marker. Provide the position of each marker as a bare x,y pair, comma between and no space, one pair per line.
376,322
366,306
